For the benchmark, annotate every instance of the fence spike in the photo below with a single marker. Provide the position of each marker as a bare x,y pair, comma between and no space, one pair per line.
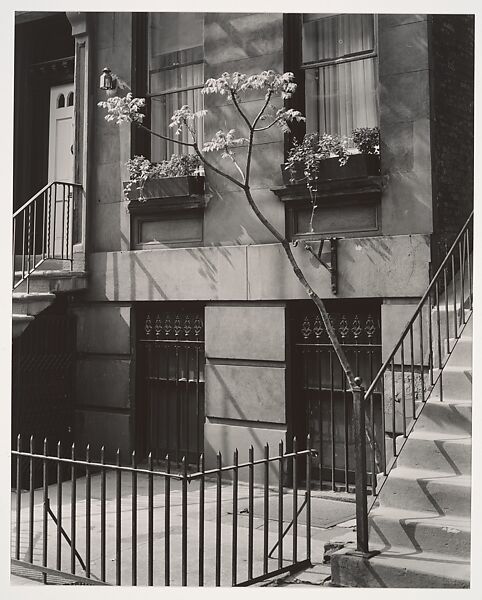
31,444
19,442
45,446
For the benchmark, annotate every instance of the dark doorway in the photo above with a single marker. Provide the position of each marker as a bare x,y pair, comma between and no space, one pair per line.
321,403
43,362
170,375
44,57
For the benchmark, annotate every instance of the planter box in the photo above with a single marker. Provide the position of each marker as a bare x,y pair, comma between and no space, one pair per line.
357,166
168,187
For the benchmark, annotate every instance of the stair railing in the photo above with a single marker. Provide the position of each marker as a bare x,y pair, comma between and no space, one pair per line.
412,371
43,229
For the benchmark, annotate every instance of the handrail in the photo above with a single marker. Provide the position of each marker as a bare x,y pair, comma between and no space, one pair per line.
43,229
44,189
418,308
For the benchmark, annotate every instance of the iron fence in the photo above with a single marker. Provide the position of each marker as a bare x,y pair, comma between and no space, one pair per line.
43,229
129,524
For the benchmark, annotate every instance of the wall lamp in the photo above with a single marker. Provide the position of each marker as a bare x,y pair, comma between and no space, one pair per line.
107,80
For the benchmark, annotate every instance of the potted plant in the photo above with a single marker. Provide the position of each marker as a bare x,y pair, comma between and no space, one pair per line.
180,175
323,157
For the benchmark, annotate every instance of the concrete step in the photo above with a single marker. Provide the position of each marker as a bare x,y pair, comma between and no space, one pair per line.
20,323
445,453
449,332
428,491
55,281
452,416
416,531
399,569
461,355
32,303
457,382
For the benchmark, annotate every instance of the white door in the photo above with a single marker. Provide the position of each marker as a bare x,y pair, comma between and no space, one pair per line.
61,165
61,133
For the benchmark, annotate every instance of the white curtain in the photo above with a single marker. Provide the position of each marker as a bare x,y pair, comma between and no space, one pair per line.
339,97
175,42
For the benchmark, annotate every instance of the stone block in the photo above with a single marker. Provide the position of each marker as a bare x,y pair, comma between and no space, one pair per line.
238,34
403,49
226,437
249,393
103,328
404,97
406,207
386,21
395,316
395,266
245,332
400,390
250,66
110,227
108,429
265,168
228,218
169,274
103,382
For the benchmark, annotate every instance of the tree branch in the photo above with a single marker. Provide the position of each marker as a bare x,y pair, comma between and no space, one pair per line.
265,105
251,137
238,107
162,137
268,126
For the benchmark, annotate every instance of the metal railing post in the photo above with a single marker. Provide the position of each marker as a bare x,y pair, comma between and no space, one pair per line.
359,436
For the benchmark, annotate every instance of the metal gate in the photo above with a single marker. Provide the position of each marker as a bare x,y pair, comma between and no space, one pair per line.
322,402
42,380
171,403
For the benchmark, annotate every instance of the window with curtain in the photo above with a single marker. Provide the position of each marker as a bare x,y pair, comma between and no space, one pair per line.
175,75
339,60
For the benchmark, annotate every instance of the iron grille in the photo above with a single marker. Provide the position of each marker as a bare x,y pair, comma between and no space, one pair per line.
172,374
323,401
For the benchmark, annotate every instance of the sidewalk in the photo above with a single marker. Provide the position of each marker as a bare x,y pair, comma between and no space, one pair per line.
325,512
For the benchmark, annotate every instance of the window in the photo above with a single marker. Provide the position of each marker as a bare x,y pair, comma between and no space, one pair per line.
339,61
175,74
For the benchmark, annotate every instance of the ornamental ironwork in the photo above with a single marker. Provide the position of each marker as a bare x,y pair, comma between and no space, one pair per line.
350,328
173,325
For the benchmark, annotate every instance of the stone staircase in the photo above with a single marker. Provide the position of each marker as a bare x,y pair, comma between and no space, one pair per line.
421,522
44,285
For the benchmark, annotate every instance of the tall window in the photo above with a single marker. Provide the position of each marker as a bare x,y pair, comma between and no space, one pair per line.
175,74
339,60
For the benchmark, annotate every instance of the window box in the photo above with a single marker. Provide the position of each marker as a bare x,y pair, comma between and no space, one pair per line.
358,166
168,187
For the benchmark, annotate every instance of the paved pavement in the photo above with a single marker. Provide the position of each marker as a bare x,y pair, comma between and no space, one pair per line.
325,513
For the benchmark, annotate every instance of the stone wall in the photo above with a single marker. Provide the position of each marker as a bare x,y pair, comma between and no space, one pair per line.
404,104
452,55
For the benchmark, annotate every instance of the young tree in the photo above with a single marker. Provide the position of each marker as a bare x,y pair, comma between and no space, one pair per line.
236,86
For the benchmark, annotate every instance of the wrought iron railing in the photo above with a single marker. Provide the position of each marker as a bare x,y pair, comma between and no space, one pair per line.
118,523
43,229
414,368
